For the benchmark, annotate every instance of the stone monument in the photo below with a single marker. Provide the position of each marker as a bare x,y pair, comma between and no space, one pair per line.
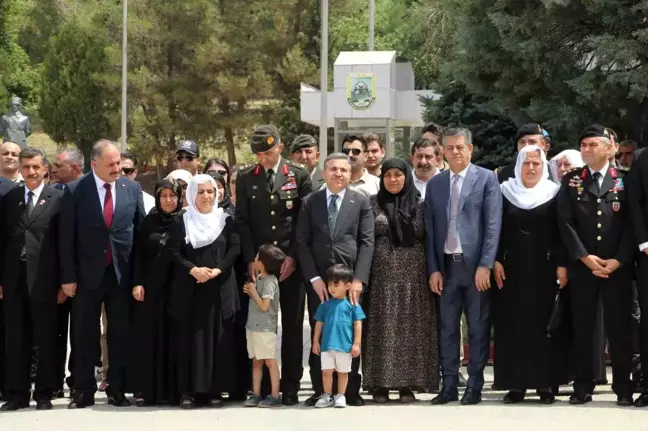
15,125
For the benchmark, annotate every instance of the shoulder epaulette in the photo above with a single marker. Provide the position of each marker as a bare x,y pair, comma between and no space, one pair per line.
296,165
246,167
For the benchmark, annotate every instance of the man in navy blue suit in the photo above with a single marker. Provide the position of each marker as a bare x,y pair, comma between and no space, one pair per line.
100,213
5,186
463,216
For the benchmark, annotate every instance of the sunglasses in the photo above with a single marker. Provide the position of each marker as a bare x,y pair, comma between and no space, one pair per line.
188,158
222,173
128,171
354,151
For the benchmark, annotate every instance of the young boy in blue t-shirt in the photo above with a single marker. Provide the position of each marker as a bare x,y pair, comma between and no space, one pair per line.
339,325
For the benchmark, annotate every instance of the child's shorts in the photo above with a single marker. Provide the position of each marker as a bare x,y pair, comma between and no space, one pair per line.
261,345
338,361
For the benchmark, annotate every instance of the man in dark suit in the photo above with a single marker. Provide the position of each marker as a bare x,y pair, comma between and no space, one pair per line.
463,216
99,216
594,220
336,225
304,150
29,274
5,186
268,199
67,167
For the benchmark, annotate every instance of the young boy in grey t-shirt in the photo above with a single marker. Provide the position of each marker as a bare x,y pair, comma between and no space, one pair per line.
261,326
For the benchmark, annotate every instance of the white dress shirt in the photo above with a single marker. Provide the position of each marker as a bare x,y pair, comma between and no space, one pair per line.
462,176
421,186
603,172
338,204
368,184
37,192
149,202
102,191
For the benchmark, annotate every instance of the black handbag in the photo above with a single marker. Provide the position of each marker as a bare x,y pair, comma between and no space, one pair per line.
556,315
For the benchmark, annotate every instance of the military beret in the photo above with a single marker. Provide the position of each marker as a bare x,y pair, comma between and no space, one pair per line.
595,131
302,141
264,138
529,129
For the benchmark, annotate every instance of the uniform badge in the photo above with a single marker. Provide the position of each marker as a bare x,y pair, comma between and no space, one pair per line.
289,186
616,206
291,174
289,205
284,170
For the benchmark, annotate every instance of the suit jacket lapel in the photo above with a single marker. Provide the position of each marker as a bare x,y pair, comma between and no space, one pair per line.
320,209
343,213
94,200
40,205
468,183
121,193
279,178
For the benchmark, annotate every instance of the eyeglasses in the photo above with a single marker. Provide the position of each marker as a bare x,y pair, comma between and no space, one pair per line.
222,173
187,157
128,171
355,151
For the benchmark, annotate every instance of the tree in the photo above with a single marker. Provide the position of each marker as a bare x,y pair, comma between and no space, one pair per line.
562,64
74,100
492,132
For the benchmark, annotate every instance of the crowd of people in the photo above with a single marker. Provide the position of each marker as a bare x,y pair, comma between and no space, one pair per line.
177,295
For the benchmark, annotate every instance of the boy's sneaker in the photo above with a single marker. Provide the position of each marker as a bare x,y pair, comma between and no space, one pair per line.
253,401
340,401
270,401
324,401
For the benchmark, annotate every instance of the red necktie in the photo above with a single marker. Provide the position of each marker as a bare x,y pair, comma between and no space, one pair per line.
108,217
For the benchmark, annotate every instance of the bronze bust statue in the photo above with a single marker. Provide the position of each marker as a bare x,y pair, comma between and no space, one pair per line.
15,125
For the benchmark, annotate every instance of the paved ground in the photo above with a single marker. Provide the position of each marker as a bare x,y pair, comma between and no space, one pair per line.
602,414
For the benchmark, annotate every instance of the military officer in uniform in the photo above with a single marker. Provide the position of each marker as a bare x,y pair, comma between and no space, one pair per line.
304,151
268,199
595,227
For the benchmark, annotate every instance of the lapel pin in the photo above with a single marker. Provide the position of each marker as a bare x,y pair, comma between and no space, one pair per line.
351,202
42,202
21,203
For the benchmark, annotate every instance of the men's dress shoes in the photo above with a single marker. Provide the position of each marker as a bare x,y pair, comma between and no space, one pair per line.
580,397
72,394
642,401
43,405
289,399
624,401
356,401
118,400
444,397
58,394
81,402
462,380
312,400
14,405
470,398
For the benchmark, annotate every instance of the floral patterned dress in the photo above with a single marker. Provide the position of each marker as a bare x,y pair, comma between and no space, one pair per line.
401,345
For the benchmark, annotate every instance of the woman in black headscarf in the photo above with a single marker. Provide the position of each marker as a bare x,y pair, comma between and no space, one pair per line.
149,372
401,338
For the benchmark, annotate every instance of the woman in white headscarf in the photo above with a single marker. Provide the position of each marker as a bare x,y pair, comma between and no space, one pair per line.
204,246
530,259
183,178
564,162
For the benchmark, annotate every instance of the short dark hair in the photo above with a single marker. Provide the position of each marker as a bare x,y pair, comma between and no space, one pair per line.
629,143
30,153
130,156
351,138
613,134
426,143
216,160
433,128
339,273
373,137
272,258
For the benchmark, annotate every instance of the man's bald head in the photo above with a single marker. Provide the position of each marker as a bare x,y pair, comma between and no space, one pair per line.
10,152
106,160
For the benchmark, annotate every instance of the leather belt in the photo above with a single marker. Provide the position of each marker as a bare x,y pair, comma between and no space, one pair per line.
455,257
